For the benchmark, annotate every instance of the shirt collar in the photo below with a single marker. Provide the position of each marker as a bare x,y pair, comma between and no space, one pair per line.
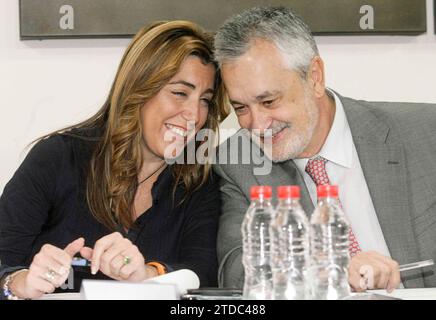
338,147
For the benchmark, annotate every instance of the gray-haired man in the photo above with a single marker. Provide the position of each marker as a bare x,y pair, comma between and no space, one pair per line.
380,154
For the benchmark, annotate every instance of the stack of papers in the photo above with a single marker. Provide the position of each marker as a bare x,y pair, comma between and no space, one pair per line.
166,287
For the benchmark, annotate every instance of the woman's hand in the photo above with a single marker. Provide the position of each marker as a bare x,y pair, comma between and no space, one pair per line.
118,258
48,271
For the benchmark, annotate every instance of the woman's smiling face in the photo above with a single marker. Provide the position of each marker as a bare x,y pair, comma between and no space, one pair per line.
179,109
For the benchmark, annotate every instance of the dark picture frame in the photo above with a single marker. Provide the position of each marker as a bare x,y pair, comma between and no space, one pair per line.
46,19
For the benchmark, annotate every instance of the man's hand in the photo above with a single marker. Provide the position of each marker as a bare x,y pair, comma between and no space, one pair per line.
371,270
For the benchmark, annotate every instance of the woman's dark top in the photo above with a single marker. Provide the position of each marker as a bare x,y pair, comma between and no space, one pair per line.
45,203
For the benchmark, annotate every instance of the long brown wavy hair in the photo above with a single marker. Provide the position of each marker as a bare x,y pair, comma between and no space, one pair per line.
152,58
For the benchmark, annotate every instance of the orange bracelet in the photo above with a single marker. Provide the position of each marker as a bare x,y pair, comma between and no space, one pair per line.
160,268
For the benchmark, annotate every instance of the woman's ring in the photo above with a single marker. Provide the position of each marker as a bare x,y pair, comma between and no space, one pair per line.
126,260
50,275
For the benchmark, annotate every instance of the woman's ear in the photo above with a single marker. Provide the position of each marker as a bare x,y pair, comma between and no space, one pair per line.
316,76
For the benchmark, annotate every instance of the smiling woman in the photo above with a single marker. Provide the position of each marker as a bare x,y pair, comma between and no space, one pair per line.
104,189
181,105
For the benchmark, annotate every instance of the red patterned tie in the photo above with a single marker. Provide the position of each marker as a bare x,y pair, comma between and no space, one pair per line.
316,170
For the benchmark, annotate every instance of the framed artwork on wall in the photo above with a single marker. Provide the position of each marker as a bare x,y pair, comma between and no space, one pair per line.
44,19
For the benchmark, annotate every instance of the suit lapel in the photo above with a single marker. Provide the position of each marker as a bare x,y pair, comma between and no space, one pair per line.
297,179
383,163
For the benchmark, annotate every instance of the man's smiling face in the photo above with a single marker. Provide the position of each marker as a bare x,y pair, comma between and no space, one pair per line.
266,94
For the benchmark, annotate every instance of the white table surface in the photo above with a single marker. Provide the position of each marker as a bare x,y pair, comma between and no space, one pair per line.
410,294
405,294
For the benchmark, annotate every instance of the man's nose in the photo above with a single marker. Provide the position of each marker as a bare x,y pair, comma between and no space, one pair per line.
260,120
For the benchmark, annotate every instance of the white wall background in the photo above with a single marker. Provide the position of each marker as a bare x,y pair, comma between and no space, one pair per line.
46,85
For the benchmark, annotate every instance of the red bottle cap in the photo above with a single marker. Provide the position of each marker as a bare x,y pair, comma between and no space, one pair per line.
286,192
326,190
257,191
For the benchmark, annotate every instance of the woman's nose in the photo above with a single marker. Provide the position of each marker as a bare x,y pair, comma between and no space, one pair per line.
191,111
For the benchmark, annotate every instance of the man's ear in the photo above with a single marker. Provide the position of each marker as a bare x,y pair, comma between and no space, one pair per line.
316,76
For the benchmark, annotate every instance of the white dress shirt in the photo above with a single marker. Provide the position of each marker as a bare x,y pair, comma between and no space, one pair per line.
344,170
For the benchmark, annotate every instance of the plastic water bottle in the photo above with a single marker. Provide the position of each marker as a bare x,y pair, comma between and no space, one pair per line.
256,245
289,246
329,247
